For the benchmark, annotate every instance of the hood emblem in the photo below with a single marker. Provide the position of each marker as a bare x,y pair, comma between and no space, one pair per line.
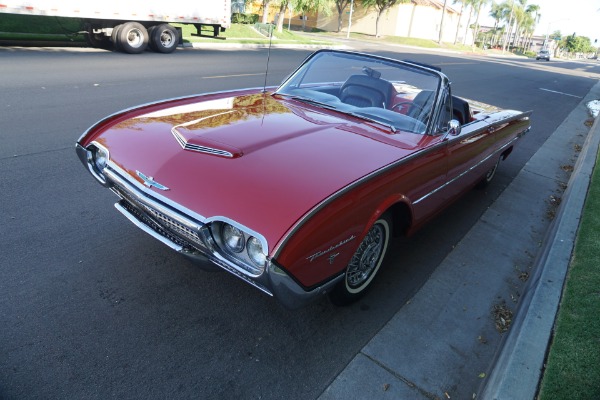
150,182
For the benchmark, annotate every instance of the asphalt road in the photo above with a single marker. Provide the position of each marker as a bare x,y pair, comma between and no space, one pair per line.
91,307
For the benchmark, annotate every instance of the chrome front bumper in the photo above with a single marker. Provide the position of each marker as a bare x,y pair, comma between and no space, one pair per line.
192,238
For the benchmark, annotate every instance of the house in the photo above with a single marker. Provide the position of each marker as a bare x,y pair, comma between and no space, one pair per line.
416,19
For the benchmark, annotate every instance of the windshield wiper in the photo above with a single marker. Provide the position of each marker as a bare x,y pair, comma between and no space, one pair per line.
308,100
371,119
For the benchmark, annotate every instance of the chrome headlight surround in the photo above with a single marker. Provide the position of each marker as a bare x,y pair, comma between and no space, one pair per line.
98,158
241,246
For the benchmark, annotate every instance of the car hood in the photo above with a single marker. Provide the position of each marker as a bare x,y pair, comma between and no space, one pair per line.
253,158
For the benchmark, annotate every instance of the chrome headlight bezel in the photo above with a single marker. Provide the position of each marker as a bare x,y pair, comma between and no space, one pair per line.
249,251
98,157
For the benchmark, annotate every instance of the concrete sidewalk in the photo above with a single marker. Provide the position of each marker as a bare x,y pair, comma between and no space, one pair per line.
443,343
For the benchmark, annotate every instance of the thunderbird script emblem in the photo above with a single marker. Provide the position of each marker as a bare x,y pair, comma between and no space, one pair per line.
150,182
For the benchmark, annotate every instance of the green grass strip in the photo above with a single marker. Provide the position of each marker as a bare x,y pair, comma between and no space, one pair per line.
573,365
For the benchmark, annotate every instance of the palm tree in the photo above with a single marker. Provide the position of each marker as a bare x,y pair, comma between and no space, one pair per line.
496,12
470,6
442,22
462,4
479,4
510,7
535,9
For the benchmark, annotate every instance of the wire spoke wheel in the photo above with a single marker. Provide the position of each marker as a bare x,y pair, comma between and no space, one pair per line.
365,259
364,264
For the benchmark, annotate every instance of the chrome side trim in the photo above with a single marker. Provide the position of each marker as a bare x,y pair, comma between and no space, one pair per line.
465,172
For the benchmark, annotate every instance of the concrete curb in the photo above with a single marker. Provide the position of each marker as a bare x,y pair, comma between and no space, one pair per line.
519,363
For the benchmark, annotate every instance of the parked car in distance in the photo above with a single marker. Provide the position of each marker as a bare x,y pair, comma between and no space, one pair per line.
299,189
543,55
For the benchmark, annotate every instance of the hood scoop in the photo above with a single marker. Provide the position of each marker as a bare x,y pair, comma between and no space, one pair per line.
190,140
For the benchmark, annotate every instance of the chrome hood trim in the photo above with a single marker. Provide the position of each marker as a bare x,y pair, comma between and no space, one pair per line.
200,148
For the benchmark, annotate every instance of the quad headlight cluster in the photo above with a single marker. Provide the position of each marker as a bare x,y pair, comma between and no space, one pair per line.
241,246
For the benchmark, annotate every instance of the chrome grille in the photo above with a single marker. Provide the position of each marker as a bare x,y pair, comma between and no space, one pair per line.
160,222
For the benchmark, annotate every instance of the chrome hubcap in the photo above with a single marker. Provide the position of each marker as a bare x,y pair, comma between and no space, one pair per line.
166,39
135,38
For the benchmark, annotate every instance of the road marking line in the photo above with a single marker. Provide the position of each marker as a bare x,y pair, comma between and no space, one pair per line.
566,94
230,76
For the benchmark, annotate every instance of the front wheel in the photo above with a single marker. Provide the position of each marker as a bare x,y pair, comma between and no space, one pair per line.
364,264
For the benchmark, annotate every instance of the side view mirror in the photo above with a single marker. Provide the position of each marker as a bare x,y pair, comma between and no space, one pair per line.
453,128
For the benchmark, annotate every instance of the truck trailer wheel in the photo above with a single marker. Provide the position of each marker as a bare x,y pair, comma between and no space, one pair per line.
114,37
164,38
131,37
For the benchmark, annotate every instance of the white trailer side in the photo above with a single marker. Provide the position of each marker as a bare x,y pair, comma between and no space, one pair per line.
134,24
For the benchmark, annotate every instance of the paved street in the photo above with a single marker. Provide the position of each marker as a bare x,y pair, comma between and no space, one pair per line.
90,307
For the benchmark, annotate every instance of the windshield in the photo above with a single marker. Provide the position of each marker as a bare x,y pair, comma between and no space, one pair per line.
397,95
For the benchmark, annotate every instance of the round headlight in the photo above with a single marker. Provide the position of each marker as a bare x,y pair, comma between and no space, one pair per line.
100,158
233,238
255,251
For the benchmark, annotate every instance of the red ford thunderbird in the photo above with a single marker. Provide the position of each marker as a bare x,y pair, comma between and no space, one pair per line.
297,190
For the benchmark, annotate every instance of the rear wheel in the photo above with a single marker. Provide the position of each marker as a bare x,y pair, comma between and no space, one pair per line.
489,175
132,38
364,264
114,37
164,38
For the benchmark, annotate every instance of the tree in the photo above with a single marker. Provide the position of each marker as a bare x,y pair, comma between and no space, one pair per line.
469,4
265,7
479,4
578,44
462,5
381,6
442,22
283,5
509,32
497,13
310,6
341,6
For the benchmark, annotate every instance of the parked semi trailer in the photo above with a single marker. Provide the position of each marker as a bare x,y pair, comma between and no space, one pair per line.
131,26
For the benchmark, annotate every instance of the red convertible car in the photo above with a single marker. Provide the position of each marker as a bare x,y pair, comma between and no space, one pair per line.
297,190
